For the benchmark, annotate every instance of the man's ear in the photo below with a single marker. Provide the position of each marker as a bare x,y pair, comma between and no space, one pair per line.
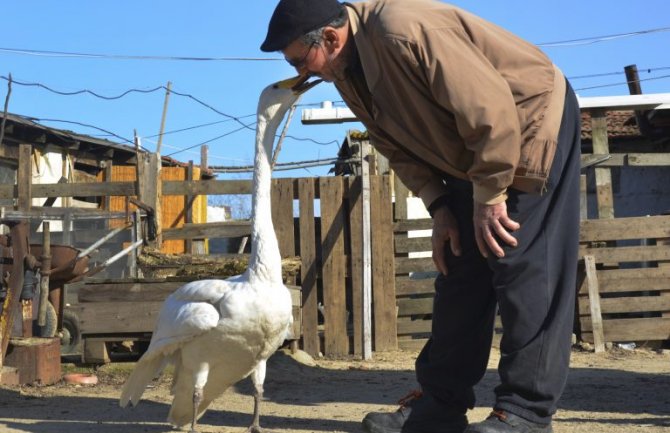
331,38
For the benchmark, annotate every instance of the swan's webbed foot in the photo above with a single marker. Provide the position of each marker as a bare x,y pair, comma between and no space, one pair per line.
258,429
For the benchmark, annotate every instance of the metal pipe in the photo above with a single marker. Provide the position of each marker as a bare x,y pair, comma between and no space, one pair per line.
109,261
102,240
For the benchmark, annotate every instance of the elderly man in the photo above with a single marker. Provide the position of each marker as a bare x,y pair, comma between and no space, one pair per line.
485,130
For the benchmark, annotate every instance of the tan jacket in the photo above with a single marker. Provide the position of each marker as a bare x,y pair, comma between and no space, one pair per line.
452,93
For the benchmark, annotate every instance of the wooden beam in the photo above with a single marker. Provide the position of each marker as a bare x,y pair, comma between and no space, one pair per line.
404,285
308,270
332,252
366,255
655,328
649,253
603,176
24,178
221,229
594,304
207,187
417,224
355,264
648,227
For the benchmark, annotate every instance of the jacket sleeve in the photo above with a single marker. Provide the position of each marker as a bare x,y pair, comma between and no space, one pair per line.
464,82
420,179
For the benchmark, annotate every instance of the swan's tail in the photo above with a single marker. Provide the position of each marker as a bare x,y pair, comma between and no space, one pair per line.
145,371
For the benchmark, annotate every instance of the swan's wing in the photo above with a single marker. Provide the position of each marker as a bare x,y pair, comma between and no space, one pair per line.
187,313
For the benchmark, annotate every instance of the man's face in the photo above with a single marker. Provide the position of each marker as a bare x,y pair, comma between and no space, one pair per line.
321,58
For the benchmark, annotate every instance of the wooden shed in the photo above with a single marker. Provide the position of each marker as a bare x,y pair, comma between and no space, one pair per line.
67,157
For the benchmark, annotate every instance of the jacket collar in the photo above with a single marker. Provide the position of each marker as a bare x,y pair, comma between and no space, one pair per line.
366,52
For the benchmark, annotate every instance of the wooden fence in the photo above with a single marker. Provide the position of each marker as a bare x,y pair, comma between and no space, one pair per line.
624,289
318,219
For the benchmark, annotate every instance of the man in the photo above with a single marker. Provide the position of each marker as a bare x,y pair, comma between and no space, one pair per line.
485,130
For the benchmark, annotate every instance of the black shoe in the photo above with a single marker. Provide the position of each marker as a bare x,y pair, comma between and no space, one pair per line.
418,413
505,422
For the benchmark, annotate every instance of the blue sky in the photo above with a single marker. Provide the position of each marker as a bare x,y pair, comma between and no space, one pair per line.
225,29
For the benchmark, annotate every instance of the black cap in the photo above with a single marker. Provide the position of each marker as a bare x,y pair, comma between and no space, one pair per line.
294,18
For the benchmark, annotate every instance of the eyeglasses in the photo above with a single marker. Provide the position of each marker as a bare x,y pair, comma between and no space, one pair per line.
298,64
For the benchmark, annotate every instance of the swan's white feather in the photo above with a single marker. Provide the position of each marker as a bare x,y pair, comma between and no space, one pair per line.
217,332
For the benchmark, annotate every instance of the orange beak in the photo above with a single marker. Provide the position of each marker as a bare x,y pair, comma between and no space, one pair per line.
299,84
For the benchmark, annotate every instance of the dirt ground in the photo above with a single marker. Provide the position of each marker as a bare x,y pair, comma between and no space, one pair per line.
620,391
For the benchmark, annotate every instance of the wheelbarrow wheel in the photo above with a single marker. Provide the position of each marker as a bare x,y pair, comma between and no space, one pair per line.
71,339
50,327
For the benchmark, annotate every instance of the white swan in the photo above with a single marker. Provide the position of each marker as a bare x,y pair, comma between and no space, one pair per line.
217,332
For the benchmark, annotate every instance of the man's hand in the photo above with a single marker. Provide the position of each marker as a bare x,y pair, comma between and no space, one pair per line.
489,219
445,229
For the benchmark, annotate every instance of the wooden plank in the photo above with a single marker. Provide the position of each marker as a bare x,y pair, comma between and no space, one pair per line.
412,345
401,193
95,351
630,304
118,317
407,286
648,159
282,216
415,306
405,265
594,304
221,229
107,177
367,255
403,244
665,266
648,227
623,330
414,327
627,254
128,292
603,176
383,282
356,259
633,159
415,224
207,187
84,189
188,207
583,202
336,341
631,280
24,178
308,272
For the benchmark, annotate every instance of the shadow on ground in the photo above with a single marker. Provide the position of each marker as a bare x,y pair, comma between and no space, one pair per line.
293,384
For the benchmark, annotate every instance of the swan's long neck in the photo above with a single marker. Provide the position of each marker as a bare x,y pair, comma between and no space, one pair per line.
265,260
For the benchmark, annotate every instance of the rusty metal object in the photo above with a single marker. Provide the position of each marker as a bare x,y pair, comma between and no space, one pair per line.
27,318
19,236
37,359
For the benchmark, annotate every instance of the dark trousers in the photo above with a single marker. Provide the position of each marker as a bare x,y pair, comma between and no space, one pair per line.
533,287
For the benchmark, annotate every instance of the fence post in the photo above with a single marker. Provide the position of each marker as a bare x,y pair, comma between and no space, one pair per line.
332,256
150,188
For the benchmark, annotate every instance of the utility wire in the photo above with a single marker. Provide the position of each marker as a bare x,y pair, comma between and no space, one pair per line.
47,53
604,74
208,141
621,84
186,95
79,92
595,39
189,128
